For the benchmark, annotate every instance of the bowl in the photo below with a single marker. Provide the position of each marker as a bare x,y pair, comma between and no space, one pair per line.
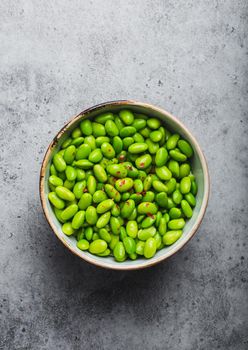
198,164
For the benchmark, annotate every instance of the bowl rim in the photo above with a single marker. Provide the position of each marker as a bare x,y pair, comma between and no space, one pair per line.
203,207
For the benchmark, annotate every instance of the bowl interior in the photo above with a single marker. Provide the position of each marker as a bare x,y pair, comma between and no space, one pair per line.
198,165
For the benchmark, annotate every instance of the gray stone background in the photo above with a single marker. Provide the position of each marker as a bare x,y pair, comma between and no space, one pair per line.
59,57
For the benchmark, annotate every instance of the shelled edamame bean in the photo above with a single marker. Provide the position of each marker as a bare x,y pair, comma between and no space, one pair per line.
122,185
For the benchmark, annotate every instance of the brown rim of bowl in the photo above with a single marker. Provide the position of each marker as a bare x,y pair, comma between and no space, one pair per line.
202,211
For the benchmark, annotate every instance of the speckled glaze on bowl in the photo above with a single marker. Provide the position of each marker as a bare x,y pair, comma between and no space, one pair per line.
200,171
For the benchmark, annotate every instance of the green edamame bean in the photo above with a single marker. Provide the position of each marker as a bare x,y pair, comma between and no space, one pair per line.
69,212
99,196
132,228
119,252
80,234
138,185
104,117
100,173
78,219
78,141
124,185
105,235
175,213
158,240
98,129
174,167
177,197
136,148
61,152
95,156
69,184
56,201
67,229
116,211
162,199
138,138
88,233
91,141
170,203
140,245
64,193
190,199
186,208
69,155
83,164
147,207
80,174
185,148
150,248
104,206
55,180
101,139
105,253
91,215
66,143
176,155
158,218
131,170
162,228
83,244
148,197
112,193
133,215
127,208
147,182
114,240
148,221
126,116
85,201
139,124
127,141
176,224
172,141
153,123
53,171
119,123
163,173
161,157
117,170
95,236
146,233
184,170
57,213
127,131
130,245
117,144
163,139
123,233
59,162
115,225
91,184
159,186
83,152
79,188
194,188
171,237
125,196
153,147
76,133
185,185
143,161
171,185
103,220
98,246
111,128
70,173
156,136
107,150
86,127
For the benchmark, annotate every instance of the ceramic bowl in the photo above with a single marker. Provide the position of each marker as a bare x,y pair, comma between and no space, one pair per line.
200,171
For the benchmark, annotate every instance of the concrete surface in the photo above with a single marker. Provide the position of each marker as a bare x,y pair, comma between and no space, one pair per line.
59,57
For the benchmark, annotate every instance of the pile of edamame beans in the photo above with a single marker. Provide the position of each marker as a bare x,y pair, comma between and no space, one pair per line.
122,185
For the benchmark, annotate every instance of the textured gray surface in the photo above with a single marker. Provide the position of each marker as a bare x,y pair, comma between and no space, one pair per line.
59,57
